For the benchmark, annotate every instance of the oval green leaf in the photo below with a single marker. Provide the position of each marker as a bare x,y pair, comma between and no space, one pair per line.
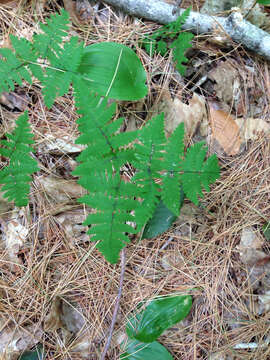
136,350
159,315
114,70
161,220
263,2
266,231
37,354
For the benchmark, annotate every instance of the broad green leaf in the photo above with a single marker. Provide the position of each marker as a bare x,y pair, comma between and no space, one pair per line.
263,2
136,350
161,220
114,70
37,354
266,231
159,315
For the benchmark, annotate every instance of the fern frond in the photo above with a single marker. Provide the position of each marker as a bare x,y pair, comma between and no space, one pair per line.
113,200
173,157
12,70
99,133
16,175
49,43
148,162
179,46
62,70
198,174
158,41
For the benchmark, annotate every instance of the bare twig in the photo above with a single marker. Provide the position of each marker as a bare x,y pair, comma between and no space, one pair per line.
236,28
117,303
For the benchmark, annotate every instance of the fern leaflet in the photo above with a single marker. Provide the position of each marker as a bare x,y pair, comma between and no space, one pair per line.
98,169
158,41
173,158
16,176
198,174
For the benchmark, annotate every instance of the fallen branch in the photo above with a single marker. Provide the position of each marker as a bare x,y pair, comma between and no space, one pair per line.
236,28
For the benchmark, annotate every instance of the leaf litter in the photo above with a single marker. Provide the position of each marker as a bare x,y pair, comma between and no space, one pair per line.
48,266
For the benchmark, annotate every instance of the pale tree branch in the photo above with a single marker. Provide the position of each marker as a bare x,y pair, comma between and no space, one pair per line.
234,26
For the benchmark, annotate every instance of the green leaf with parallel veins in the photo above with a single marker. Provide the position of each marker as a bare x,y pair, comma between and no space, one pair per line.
263,2
266,231
136,350
37,354
161,220
159,315
113,70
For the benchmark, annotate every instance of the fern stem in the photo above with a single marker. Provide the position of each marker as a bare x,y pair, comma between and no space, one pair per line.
117,303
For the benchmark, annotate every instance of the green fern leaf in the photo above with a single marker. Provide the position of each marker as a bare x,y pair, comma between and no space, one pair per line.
113,201
148,162
12,71
16,176
197,174
179,46
62,70
158,41
98,169
173,158
49,43
98,132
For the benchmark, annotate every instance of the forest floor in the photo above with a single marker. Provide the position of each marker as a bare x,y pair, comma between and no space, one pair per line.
56,288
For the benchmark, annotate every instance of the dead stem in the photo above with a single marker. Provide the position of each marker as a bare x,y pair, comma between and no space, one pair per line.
116,308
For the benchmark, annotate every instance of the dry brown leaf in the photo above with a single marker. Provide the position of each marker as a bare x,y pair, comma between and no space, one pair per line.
70,319
71,221
14,235
10,3
61,190
80,11
59,144
250,128
15,341
13,100
250,247
175,112
227,82
224,130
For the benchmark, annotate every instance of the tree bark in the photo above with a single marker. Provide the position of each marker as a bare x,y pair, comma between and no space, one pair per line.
238,29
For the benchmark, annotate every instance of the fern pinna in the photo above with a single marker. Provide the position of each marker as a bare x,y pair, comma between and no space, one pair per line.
170,37
60,62
160,169
16,176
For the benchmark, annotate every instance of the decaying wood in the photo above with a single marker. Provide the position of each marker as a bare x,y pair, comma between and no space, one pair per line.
234,26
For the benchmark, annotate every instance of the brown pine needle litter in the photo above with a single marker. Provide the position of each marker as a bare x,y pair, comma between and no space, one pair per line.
200,254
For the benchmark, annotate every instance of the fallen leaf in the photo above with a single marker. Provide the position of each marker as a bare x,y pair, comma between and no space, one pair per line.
69,317
14,341
59,145
250,247
71,221
61,190
224,130
13,100
80,11
14,235
251,128
228,82
175,112
264,300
